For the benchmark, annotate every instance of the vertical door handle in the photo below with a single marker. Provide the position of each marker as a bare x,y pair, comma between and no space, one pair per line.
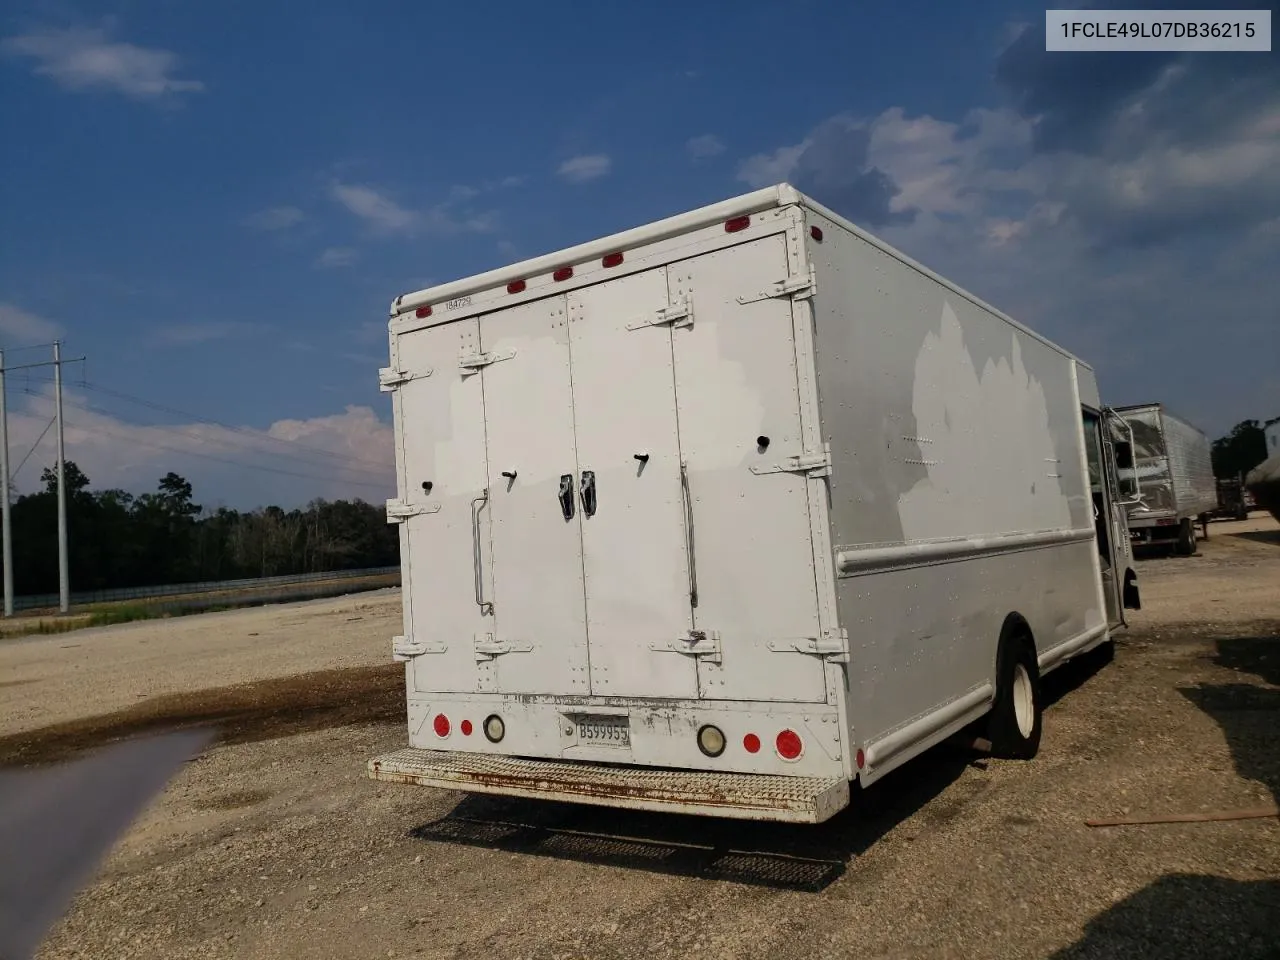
688,534
589,492
476,506
565,495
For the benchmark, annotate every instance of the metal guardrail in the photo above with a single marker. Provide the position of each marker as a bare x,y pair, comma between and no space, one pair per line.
40,601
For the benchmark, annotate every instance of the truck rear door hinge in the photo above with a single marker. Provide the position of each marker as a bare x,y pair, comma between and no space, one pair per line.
389,378
488,646
698,643
833,645
810,464
398,511
677,315
797,288
469,362
402,648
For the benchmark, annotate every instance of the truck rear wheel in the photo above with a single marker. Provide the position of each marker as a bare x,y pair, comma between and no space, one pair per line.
1186,545
1016,718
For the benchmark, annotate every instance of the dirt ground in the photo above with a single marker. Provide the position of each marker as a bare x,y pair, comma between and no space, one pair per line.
273,844
87,673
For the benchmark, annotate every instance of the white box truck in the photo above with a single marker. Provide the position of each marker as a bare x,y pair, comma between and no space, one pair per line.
1173,471
725,513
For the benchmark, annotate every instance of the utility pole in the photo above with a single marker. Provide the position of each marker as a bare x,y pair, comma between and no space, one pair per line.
64,584
6,533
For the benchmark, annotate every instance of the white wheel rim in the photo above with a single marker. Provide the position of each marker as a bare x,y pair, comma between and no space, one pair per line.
1023,701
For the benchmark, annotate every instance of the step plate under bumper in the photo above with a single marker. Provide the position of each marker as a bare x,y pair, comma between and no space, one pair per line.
746,796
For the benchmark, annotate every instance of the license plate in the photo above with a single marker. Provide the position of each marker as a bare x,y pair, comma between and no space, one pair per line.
604,731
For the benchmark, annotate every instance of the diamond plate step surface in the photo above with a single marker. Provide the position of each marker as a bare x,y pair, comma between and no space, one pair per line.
749,796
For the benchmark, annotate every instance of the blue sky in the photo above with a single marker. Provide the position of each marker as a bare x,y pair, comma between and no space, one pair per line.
215,203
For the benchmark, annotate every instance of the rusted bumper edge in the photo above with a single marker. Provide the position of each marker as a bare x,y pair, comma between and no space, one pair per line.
743,796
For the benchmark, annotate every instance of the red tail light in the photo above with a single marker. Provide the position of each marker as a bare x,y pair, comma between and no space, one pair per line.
466,728
736,224
422,312
789,745
441,725
751,743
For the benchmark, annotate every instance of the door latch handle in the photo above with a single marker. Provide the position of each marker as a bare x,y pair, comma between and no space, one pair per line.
589,492
566,495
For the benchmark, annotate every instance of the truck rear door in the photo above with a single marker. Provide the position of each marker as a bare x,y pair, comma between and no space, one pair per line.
639,523
740,430
441,458
633,518
538,640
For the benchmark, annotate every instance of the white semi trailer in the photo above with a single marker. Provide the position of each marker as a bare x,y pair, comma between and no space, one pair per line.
727,512
1173,470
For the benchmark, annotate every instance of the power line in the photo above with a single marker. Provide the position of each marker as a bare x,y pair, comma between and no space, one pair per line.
225,441
371,466
97,428
226,426
24,460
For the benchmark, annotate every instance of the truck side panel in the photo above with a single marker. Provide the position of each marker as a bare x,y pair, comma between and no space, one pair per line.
954,435
1191,467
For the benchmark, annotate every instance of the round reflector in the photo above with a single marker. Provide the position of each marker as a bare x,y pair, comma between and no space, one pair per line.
861,759
751,743
789,745
441,725
465,727
711,740
494,728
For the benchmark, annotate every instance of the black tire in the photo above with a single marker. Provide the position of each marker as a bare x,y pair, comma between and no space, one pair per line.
1017,677
1186,544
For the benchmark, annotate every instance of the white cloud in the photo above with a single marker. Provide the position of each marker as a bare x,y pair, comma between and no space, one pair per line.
338,257
385,216
767,169
192,333
586,167
344,455
275,218
20,328
1128,255
377,210
79,58
704,147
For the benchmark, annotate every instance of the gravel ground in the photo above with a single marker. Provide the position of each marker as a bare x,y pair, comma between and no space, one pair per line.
274,845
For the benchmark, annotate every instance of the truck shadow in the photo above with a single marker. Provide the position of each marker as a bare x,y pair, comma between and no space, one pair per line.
1248,713
1207,917
805,858
1186,916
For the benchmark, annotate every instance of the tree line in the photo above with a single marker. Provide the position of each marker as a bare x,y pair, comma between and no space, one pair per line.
1240,450
117,540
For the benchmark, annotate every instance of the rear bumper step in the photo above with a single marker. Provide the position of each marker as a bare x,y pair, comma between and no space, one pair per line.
747,796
